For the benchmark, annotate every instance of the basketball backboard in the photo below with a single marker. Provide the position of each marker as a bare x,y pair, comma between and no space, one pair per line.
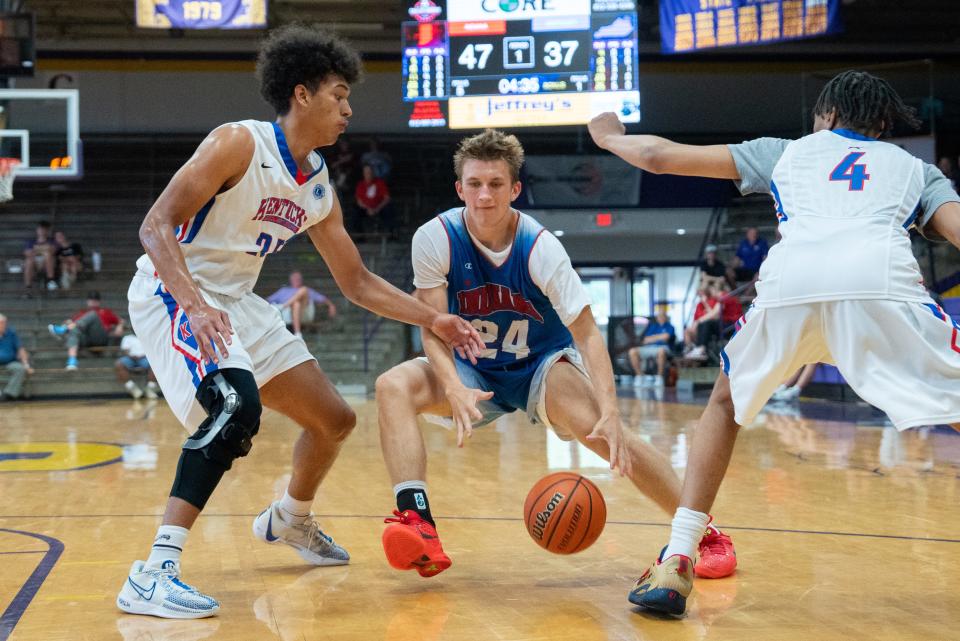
41,127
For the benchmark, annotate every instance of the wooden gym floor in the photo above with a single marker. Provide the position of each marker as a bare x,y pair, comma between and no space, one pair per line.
844,531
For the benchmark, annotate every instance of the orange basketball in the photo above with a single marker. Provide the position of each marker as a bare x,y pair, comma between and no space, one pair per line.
564,513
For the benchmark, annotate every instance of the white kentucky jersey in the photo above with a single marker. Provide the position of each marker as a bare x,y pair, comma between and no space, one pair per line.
844,203
225,243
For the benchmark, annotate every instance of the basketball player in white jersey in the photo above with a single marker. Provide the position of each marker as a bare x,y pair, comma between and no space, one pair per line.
220,352
842,286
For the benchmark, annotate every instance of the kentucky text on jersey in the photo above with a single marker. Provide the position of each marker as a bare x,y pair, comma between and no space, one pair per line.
281,211
491,298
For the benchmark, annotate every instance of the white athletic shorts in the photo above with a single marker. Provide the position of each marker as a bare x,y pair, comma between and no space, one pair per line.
901,357
261,343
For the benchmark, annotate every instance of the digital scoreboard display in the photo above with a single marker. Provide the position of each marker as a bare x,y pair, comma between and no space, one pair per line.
471,64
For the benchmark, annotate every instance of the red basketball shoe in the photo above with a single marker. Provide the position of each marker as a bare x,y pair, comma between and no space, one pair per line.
717,558
410,542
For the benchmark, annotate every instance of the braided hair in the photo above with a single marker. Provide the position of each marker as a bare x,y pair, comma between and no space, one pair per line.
864,103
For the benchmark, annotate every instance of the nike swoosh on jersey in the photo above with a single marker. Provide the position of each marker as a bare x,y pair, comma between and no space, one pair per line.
142,591
266,166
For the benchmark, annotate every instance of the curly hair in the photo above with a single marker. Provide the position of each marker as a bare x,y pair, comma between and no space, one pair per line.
491,144
302,54
865,103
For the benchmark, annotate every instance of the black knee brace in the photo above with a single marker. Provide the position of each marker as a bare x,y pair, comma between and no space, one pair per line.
232,402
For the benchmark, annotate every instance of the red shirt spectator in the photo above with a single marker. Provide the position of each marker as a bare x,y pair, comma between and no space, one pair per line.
702,309
372,193
732,309
108,319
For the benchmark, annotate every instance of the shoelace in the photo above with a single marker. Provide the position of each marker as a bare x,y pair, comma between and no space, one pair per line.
314,531
398,517
716,542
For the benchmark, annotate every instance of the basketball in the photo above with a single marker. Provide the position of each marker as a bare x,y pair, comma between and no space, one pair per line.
564,513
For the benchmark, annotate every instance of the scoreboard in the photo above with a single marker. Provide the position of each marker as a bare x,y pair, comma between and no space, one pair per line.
519,63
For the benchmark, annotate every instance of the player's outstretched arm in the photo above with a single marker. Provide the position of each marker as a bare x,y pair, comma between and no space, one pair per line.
593,349
217,165
462,399
659,155
369,291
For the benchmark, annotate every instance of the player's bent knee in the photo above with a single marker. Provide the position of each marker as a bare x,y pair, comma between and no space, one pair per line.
232,402
390,385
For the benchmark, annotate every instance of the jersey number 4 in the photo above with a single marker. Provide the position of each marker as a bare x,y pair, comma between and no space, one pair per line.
514,342
849,170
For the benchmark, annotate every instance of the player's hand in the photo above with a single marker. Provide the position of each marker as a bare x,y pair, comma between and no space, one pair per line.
212,329
460,335
603,126
463,403
609,430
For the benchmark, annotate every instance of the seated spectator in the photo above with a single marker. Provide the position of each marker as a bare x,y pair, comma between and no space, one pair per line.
712,270
654,344
705,325
134,360
750,253
731,308
378,160
15,359
296,303
69,259
791,388
90,327
40,253
373,197
343,166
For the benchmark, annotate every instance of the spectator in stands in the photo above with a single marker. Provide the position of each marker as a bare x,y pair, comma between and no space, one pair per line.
373,197
655,343
134,360
40,252
15,359
296,303
90,327
790,390
750,253
705,325
343,166
378,160
731,310
69,259
712,270
949,170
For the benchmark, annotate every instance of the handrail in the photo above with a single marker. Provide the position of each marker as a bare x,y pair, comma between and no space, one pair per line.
713,229
371,322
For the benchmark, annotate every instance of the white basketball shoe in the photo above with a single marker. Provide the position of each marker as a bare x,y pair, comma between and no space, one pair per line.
159,592
306,538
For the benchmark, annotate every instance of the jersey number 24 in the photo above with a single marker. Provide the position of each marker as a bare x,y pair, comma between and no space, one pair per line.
514,341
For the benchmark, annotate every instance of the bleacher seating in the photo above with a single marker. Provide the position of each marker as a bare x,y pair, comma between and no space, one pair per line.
103,212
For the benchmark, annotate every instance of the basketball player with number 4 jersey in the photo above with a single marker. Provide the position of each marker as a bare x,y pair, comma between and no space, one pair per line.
842,286
221,353
544,355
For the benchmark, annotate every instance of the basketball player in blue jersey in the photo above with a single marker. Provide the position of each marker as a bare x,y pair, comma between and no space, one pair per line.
842,286
544,355
220,352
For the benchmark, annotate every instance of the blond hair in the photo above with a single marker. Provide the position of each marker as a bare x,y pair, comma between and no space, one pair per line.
491,144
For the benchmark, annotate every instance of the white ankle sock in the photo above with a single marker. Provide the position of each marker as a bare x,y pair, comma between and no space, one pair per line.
168,545
685,532
294,511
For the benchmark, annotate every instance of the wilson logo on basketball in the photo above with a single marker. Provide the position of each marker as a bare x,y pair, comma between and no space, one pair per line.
544,517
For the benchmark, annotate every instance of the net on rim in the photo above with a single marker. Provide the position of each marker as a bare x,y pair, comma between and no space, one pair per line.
8,171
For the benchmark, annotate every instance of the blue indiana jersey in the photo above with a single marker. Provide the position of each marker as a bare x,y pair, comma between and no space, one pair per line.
514,317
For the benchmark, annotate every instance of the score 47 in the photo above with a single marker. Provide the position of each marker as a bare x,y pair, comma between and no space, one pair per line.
518,53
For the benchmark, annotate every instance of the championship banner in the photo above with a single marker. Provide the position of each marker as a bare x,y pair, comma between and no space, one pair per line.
580,181
202,14
692,25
